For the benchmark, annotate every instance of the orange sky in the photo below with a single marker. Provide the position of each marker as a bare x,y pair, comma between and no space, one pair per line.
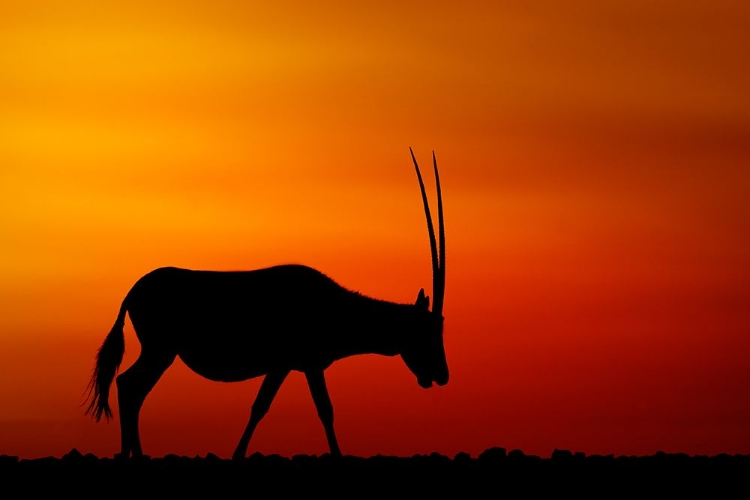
594,161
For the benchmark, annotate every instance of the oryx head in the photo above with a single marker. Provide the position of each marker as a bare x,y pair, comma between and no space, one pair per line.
424,353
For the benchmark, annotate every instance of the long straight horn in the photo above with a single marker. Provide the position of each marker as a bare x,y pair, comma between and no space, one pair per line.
438,277
439,287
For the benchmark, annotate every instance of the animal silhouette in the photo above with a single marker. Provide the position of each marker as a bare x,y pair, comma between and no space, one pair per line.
235,325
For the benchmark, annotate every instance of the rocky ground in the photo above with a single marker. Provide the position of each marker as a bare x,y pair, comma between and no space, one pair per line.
493,473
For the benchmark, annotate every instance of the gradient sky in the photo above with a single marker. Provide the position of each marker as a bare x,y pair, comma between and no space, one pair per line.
595,165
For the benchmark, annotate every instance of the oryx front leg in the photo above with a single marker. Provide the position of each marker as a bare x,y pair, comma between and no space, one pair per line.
262,403
317,383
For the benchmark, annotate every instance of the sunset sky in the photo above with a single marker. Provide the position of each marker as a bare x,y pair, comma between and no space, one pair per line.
595,165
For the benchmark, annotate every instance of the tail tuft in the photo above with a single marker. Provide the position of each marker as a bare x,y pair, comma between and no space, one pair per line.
108,360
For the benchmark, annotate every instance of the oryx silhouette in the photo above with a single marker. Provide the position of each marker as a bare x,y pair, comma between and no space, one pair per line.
235,325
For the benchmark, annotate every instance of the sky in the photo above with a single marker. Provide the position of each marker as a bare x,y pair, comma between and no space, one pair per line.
593,160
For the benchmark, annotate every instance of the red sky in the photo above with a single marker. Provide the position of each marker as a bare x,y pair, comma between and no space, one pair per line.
594,163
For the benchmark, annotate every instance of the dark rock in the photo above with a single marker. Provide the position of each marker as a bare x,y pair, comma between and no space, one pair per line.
6,460
492,455
562,455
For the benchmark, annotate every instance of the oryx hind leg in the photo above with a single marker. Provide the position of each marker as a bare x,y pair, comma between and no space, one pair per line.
133,385
317,383
268,389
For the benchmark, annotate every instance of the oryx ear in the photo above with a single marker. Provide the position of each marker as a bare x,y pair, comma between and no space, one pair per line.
423,301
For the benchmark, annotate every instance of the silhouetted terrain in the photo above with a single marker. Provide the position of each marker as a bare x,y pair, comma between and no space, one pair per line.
494,473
